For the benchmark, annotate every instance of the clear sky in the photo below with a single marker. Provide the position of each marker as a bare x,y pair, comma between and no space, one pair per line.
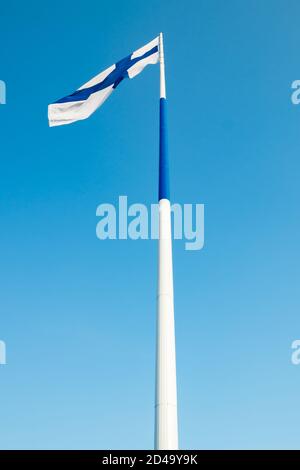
78,314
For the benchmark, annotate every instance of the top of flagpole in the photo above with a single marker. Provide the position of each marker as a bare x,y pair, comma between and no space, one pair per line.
162,67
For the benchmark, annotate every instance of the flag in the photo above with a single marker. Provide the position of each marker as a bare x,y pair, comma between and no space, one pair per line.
90,96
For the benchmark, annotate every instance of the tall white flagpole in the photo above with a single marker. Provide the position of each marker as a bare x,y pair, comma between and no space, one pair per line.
166,427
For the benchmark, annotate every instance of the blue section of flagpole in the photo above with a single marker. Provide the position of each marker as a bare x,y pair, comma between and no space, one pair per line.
164,185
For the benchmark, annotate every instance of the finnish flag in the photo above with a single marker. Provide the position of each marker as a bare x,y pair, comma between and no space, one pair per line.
84,101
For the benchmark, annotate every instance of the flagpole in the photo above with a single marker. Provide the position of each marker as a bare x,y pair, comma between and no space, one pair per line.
166,427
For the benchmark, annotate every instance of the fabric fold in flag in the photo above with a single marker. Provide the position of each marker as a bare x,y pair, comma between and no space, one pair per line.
90,96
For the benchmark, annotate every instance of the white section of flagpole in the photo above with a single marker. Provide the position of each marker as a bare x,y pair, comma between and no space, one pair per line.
162,67
166,427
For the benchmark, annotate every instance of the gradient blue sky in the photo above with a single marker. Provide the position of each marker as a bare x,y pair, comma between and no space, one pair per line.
78,314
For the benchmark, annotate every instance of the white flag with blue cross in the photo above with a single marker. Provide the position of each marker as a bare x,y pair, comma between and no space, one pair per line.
90,96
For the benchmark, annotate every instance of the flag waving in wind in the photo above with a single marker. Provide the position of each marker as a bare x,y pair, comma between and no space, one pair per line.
84,101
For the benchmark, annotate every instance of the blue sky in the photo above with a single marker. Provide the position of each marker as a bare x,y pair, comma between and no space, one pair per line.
78,314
